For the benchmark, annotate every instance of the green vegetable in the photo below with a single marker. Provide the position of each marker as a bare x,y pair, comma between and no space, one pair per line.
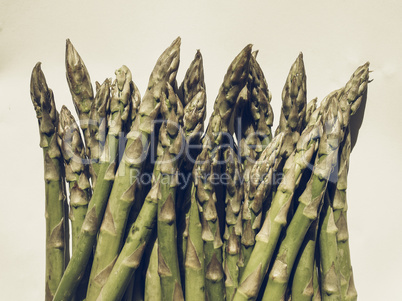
56,210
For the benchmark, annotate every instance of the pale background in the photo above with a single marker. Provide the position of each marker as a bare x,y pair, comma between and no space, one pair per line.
335,38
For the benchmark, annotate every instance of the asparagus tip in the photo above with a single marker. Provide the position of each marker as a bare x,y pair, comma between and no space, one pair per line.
177,42
255,53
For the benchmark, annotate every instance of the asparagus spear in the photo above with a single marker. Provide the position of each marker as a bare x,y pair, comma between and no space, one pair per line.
168,264
152,279
193,81
254,117
137,287
130,256
253,130
96,208
257,189
311,107
80,86
333,258
122,195
305,272
339,205
349,101
97,128
351,96
194,98
206,169
233,229
275,219
293,98
112,228
55,202
309,205
260,107
330,280
142,126
316,282
194,259
77,174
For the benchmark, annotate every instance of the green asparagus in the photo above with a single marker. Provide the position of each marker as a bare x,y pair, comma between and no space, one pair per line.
309,204
171,137
207,167
97,128
293,98
80,86
55,202
77,174
233,229
305,273
194,98
113,224
130,256
275,219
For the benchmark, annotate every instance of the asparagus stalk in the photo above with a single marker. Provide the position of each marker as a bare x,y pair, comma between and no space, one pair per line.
309,205
293,104
275,219
97,128
112,228
55,195
332,257
193,126
305,272
352,94
90,227
168,264
206,169
77,174
152,280
130,256
349,101
137,287
254,117
164,71
194,259
316,282
311,107
138,140
96,208
194,99
339,204
253,123
81,89
193,81
135,103
131,253
260,107
233,229
330,280
258,188
293,99
80,86
194,96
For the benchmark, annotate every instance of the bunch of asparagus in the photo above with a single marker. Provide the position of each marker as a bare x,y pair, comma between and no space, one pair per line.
160,210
